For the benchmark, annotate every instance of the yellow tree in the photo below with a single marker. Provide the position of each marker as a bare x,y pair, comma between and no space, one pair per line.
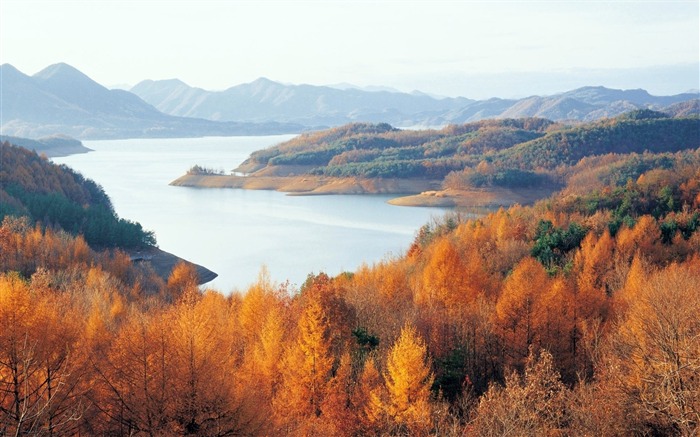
182,278
42,377
382,296
61,357
135,381
259,374
644,237
267,352
594,261
408,381
656,351
17,355
518,308
367,399
306,369
557,325
257,302
636,280
205,368
451,278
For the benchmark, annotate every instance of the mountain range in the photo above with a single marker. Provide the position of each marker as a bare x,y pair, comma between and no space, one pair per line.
62,100
265,100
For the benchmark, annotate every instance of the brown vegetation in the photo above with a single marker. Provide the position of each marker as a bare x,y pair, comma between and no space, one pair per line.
577,316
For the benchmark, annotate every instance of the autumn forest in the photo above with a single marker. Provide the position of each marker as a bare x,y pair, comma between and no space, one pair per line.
577,315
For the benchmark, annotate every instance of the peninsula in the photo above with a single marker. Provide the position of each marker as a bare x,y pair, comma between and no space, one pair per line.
489,163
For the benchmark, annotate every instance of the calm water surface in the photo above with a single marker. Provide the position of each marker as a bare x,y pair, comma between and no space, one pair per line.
235,232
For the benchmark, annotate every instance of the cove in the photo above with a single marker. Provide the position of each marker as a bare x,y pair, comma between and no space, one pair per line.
236,232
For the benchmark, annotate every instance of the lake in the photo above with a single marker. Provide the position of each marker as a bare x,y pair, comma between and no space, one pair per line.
235,232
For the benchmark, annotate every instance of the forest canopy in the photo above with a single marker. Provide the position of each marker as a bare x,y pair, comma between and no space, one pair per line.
57,196
575,316
508,153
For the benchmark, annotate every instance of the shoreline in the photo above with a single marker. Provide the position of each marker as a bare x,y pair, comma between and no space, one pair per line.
63,151
306,185
163,263
489,198
409,192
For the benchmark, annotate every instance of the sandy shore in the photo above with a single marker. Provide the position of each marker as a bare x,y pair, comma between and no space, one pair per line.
415,192
309,184
478,198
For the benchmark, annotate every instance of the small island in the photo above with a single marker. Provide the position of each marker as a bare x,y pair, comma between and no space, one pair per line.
489,163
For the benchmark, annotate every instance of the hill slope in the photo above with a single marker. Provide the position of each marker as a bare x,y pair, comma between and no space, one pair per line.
57,196
576,316
34,191
516,158
367,150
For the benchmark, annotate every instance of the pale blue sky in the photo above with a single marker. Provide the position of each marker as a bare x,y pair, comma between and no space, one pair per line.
476,49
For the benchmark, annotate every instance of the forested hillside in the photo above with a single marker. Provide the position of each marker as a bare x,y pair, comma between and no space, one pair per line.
368,150
636,132
575,316
56,196
506,153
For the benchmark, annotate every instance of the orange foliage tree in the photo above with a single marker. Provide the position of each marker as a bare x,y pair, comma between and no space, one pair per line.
42,361
408,381
519,310
655,352
306,370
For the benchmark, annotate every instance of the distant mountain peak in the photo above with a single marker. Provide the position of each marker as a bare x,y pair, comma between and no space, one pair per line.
60,95
264,81
60,70
174,82
9,71
62,99
263,86
344,86
65,80
600,95
8,67
593,87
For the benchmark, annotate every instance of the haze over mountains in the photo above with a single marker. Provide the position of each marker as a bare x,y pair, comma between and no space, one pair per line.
62,100
264,100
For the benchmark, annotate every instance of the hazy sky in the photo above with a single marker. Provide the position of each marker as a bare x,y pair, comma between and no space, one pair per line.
475,49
